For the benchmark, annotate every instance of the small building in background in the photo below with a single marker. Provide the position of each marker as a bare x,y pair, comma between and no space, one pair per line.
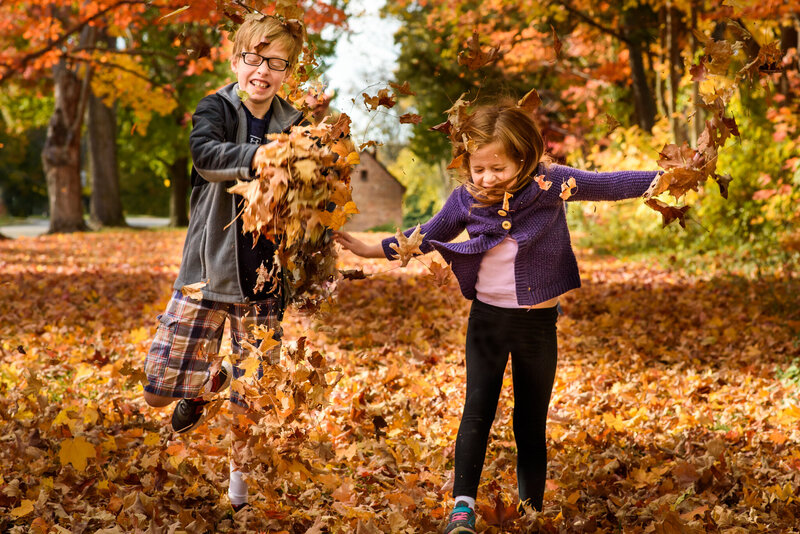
377,194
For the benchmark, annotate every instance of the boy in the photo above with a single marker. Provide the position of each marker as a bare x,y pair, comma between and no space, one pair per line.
228,128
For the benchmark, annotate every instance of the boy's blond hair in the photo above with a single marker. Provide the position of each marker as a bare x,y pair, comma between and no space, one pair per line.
258,32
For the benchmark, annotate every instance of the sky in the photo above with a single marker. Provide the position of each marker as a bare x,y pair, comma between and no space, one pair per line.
364,60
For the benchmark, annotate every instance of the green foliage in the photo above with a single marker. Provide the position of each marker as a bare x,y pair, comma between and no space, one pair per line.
429,63
791,373
747,227
22,183
144,162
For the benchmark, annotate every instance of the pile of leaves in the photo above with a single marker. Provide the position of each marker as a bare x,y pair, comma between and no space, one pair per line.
302,190
675,406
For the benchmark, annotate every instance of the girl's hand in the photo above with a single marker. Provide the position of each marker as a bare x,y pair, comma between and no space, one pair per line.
358,247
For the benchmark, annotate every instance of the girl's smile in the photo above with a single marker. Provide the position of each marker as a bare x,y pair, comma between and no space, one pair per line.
490,165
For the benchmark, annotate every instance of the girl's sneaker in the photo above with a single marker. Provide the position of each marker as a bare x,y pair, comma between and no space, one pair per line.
462,520
188,413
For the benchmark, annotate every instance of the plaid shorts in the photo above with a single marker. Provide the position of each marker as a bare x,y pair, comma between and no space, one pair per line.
189,336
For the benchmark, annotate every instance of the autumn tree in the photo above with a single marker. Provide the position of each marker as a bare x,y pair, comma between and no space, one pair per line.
64,46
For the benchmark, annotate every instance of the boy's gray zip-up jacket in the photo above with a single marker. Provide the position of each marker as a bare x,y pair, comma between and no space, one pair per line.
220,156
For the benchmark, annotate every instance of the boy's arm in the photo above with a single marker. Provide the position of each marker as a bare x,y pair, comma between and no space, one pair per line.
214,158
616,185
444,226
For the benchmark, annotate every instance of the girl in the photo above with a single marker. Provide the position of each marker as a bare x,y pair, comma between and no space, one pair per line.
516,263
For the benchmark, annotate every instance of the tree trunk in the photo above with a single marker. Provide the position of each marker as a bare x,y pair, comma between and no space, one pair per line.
699,114
179,173
642,95
106,205
61,157
674,63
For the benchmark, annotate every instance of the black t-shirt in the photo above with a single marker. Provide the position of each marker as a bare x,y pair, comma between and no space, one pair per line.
251,258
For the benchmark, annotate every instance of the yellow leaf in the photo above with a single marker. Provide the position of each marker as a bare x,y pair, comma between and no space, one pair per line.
333,219
353,158
350,208
138,335
76,451
152,439
23,509
613,421
194,291
250,365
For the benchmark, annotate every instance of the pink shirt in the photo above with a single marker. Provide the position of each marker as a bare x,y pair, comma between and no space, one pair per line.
496,284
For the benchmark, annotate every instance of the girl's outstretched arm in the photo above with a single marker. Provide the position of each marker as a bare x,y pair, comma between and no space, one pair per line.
358,247
593,186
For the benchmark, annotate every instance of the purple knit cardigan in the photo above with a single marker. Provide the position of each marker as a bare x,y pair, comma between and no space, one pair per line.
545,266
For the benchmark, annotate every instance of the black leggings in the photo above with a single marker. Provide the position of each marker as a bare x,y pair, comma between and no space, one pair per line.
530,337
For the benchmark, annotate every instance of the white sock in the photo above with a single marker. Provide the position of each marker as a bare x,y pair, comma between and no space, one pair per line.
470,501
237,488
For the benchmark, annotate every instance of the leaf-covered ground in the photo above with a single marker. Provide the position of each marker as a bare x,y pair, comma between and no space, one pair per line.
675,407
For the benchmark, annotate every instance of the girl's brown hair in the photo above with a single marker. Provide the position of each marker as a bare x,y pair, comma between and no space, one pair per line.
258,31
515,130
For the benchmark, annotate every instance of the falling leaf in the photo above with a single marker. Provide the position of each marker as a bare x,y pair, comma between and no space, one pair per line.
556,42
543,184
179,10
353,274
457,162
531,101
341,128
134,374
568,188
506,197
723,181
403,89
383,98
611,123
474,57
369,143
407,247
669,213
76,451
410,118
441,274
194,291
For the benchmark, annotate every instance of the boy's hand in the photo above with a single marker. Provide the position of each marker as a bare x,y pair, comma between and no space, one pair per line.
358,247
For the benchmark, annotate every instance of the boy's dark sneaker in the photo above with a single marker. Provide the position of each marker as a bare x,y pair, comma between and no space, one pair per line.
188,413
237,507
462,520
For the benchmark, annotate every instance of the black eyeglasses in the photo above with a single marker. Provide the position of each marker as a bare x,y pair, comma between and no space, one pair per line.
274,63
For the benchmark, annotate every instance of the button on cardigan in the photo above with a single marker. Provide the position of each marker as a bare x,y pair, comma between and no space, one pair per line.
545,266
